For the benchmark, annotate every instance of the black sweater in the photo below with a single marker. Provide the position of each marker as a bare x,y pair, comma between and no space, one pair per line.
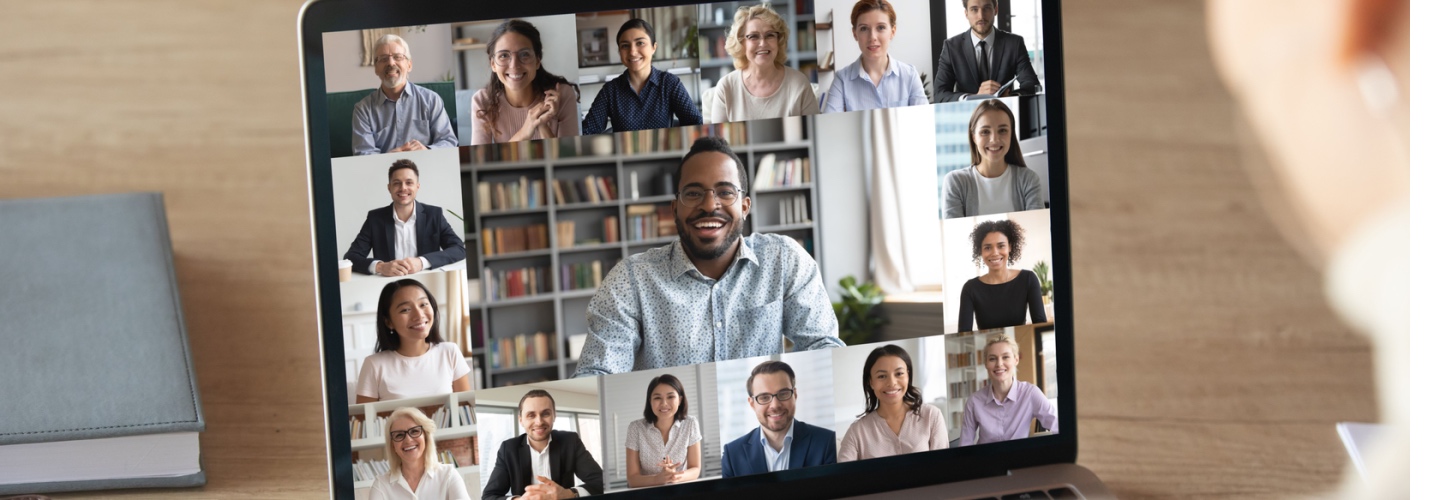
1002,305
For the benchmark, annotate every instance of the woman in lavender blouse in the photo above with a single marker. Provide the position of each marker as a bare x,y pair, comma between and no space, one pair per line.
1003,409
896,420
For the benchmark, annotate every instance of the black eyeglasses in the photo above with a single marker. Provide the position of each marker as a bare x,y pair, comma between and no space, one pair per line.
414,432
764,398
693,196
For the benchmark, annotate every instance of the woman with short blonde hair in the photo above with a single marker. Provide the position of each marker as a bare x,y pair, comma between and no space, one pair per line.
414,470
761,86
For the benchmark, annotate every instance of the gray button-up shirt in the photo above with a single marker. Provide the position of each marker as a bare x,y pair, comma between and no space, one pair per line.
380,124
657,310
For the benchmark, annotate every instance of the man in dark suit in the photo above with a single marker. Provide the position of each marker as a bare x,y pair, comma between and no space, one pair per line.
542,462
982,59
406,236
781,442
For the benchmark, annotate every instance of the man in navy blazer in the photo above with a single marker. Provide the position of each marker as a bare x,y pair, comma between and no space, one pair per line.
407,236
542,462
781,442
959,74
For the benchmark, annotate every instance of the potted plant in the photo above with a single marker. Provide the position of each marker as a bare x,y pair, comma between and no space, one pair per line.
1047,288
858,311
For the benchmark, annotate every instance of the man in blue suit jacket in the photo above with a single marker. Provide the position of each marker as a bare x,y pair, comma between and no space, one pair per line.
781,442
407,236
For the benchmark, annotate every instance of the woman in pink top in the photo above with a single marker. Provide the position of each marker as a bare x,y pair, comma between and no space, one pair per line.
1003,409
896,420
522,100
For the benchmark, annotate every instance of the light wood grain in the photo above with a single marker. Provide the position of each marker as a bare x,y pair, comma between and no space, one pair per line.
1209,365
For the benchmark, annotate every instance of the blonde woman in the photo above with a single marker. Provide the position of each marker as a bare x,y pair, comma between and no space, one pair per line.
414,471
1003,409
761,85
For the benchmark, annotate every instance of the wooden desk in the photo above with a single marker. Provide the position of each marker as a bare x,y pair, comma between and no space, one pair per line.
1209,364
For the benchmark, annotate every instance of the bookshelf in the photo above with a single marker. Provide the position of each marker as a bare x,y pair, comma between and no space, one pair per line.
635,168
801,48
454,421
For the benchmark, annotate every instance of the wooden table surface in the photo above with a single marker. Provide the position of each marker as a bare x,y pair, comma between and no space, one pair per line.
1209,365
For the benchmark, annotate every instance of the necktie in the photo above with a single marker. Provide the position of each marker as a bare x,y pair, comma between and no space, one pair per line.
984,64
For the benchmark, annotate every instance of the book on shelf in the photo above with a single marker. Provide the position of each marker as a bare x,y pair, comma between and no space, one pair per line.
511,283
678,138
369,470
565,233
514,151
517,195
522,350
590,189
459,452
772,173
582,275
364,429
612,229
503,240
795,210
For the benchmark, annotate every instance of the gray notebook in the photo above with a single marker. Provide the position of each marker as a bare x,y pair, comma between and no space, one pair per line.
99,387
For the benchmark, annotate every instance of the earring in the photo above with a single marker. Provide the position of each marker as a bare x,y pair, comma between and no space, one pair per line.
1377,84
392,331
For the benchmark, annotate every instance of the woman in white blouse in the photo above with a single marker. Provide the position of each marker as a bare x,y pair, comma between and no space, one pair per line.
414,470
410,360
663,447
896,420
761,86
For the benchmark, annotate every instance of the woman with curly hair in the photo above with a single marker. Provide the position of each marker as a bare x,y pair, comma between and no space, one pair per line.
1000,297
522,100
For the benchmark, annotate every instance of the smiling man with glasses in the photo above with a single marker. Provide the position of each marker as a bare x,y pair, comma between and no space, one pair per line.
781,442
399,116
712,295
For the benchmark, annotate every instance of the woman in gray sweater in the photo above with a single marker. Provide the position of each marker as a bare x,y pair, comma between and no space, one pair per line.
997,181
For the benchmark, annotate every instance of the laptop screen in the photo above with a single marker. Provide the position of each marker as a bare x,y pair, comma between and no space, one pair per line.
679,246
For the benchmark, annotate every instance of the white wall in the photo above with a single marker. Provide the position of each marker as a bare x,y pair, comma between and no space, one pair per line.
840,171
910,45
360,187
430,53
958,250
927,356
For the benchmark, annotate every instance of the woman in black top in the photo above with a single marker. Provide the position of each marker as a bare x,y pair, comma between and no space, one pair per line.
1000,297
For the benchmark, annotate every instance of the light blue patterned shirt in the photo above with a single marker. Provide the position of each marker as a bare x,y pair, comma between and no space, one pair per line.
380,124
655,310
778,459
853,90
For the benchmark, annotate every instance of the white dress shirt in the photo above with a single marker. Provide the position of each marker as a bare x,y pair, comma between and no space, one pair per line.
404,240
441,482
540,466
778,459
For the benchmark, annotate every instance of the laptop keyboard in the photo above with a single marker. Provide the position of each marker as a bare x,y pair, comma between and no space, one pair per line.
1061,493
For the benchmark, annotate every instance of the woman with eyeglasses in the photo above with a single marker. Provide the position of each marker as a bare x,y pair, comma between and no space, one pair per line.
761,86
410,359
896,419
642,97
1002,296
876,79
1003,409
414,470
664,447
522,100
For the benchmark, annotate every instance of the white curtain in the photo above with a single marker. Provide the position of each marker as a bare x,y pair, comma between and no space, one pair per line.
457,310
904,199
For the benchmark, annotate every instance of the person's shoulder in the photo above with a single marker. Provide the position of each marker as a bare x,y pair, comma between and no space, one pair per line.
850,71
960,175
765,243
1006,35
1029,275
958,39
904,67
422,92
815,430
657,256
381,213
795,77
638,424
567,91
448,348
739,442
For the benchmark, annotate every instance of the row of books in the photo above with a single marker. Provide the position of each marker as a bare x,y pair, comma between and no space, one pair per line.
521,194
565,233
960,360
582,275
521,350
964,389
650,221
678,138
777,173
805,36
463,414
795,210
361,428
518,151
513,283
369,470
590,189
502,240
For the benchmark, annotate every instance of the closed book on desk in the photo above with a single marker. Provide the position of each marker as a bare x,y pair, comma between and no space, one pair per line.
99,388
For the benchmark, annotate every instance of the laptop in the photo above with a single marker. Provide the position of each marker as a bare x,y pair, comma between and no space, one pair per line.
631,248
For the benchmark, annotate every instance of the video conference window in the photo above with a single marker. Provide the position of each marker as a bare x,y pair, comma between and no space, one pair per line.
646,214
